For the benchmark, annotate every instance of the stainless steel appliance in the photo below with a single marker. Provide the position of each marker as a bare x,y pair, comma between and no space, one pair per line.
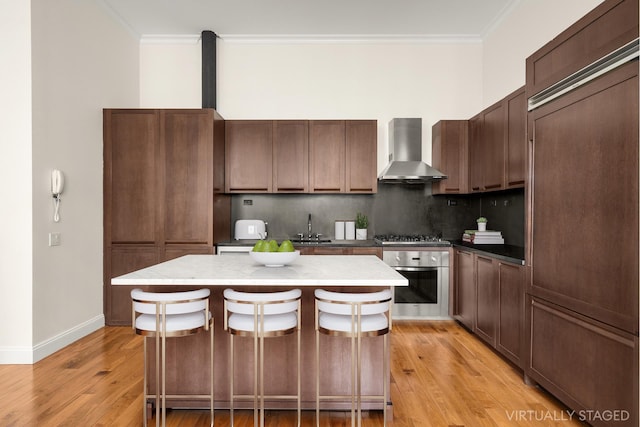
250,229
424,261
405,154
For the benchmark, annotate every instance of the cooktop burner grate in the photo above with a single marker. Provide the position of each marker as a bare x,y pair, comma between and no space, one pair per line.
409,239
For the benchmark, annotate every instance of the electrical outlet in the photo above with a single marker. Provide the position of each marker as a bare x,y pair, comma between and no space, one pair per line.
247,202
55,239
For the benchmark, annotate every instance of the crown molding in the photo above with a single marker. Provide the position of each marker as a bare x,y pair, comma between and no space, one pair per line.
316,39
170,39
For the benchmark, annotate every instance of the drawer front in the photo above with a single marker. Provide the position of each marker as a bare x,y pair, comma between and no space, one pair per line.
587,365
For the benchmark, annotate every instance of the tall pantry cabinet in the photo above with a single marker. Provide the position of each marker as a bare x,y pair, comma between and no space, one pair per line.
163,185
583,275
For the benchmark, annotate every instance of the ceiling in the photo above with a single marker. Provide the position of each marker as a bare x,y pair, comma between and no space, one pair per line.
422,19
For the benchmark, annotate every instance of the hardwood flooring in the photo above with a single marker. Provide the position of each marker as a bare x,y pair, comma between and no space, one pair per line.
441,376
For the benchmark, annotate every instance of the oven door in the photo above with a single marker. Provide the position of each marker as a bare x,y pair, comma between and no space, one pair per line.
427,295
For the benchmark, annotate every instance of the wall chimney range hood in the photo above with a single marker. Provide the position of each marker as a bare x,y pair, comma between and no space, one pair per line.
405,155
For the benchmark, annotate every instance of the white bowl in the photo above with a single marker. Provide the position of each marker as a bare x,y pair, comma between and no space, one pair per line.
274,259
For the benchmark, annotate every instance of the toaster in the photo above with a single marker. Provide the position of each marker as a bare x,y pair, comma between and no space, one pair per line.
250,229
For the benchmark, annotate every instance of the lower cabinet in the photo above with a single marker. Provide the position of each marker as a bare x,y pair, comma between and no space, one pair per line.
489,300
123,259
465,289
340,250
590,366
511,321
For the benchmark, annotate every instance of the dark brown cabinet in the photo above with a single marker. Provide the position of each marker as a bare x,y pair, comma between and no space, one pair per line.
475,153
492,146
511,309
161,192
591,366
301,156
327,156
582,284
248,156
450,151
497,145
290,156
489,300
516,144
341,250
465,288
361,156
585,183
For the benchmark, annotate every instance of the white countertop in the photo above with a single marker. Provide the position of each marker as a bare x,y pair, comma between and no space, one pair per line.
239,270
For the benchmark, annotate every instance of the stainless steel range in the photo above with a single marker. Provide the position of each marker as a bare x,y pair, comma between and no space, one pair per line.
424,261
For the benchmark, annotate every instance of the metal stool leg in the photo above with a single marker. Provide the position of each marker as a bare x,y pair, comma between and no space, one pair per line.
231,372
211,389
157,381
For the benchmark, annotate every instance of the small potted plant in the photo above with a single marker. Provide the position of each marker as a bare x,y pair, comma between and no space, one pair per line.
362,222
482,223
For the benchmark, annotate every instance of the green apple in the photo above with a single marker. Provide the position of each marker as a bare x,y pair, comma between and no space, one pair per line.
260,246
273,246
286,246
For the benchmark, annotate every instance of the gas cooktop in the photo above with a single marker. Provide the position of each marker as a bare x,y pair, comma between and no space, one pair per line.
410,239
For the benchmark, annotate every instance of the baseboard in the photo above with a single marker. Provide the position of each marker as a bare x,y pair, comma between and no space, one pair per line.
31,355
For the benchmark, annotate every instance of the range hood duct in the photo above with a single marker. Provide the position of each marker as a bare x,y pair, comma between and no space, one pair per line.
405,155
209,69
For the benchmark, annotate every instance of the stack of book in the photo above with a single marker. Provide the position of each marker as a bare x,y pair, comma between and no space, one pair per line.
489,237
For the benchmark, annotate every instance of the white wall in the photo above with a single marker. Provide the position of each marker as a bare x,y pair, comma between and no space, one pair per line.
15,174
360,80
529,26
82,61
328,80
170,75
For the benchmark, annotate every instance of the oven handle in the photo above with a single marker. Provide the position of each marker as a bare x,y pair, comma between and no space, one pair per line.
414,268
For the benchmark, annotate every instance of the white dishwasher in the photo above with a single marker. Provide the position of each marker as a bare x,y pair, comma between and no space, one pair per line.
233,250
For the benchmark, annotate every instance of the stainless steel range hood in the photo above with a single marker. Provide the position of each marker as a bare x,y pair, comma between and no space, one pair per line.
405,155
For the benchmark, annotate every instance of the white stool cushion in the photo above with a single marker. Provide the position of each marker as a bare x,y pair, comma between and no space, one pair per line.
341,302
272,322
175,322
150,298
245,302
342,323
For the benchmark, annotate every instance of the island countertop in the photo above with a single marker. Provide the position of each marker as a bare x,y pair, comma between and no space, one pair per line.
306,270
348,273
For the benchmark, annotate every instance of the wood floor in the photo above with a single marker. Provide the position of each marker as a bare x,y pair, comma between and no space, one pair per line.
441,376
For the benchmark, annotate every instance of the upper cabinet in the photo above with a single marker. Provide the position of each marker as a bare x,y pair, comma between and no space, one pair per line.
491,149
595,35
361,156
248,156
450,156
290,156
301,156
516,144
327,156
484,153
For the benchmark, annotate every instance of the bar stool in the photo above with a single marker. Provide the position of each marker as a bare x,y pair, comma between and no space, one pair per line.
261,315
170,314
353,315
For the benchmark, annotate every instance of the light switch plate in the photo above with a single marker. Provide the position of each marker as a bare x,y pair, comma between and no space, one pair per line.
55,239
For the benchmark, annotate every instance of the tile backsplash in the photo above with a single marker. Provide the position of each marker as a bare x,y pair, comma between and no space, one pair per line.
399,209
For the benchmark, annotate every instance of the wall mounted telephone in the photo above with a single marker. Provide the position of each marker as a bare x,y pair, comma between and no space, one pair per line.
57,186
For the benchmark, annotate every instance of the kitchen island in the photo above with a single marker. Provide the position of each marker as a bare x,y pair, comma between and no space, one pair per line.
187,367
